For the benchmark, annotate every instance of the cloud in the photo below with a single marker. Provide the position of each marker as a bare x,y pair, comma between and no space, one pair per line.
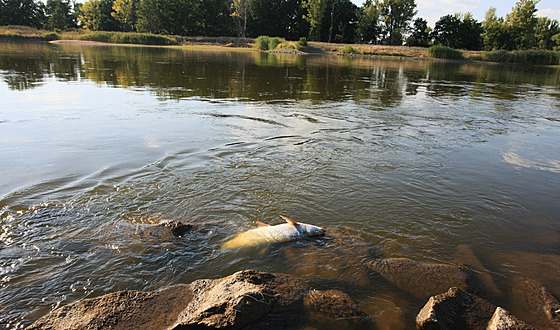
550,13
463,4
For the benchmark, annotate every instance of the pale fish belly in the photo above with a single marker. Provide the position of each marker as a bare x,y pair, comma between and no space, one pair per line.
264,235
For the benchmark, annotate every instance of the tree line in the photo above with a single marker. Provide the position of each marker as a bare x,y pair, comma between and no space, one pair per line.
385,22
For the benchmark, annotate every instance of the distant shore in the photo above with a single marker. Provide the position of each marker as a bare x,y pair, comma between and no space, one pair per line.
531,57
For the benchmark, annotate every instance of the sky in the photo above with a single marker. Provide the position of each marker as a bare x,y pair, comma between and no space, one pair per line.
432,10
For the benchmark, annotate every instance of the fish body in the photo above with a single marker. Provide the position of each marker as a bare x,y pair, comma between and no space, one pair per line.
265,234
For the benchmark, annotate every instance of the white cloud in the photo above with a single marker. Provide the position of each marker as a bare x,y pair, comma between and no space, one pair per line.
550,13
463,4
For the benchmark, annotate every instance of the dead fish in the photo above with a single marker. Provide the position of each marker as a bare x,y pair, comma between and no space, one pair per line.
265,234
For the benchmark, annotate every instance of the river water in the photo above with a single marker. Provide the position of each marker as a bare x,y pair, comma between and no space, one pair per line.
422,160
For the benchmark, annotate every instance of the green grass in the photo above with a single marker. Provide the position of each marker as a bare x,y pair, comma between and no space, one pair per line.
129,38
445,53
534,57
348,50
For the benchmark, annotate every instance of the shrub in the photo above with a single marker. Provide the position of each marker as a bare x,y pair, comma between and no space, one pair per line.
273,43
262,42
443,52
50,36
348,50
536,57
302,42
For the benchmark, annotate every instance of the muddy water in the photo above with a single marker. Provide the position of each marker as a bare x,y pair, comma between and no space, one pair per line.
430,161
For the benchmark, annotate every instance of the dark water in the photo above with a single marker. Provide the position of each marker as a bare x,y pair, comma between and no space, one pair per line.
422,160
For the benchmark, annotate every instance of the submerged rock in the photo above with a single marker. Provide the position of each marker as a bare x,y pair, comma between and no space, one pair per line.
245,299
339,256
535,304
422,280
457,309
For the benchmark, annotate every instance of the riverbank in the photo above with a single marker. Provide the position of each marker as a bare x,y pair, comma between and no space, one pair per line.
535,57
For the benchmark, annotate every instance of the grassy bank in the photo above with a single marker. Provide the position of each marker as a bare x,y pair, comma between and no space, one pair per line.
302,46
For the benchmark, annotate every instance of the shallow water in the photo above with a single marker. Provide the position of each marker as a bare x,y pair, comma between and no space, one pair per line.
422,160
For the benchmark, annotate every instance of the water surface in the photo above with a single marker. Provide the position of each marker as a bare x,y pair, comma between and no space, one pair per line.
423,160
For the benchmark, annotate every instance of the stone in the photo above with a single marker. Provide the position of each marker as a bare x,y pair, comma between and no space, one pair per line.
422,280
455,309
245,299
504,320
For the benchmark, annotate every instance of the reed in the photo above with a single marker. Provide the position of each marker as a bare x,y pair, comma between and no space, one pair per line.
129,38
534,57
444,52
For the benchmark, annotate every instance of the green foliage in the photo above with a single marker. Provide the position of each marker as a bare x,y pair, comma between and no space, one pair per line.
368,29
395,16
420,35
458,31
522,22
535,57
96,15
50,36
129,38
273,43
444,52
302,42
348,49
59,15
262,42
177,17
22,12
267,43
124,11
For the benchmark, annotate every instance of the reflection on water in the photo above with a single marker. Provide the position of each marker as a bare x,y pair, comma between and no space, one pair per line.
430,161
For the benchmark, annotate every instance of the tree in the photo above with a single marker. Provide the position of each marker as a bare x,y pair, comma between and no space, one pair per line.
420,35
240,13
395,16
279,18
522,22
177,17
314,16
22,12
59,15
96,15
545,30
495,35
124,12
368,29
458,31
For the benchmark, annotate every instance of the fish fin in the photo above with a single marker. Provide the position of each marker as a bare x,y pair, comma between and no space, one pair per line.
261,224
290,221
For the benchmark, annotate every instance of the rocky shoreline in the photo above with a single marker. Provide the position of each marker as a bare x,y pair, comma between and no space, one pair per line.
456,296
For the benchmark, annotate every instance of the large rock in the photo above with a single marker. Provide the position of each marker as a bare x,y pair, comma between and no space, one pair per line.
457,309
244,299
422,280
504,320
535,304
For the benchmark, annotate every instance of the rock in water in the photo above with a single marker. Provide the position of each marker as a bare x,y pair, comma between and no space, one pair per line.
245,299
457,309
422,279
